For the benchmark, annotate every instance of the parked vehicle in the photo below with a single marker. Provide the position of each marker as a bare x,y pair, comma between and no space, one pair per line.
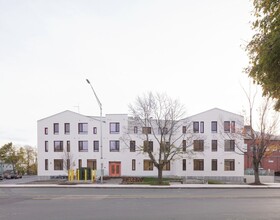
10,174
1,177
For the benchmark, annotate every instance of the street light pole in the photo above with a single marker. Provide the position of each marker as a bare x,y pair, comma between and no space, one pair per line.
101,137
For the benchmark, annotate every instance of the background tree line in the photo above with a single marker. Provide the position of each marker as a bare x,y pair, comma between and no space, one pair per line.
22,159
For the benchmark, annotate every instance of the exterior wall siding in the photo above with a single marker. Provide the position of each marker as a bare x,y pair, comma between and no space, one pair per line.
124,156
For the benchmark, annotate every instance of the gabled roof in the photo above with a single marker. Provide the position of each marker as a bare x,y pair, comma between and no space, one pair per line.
213,109
71,112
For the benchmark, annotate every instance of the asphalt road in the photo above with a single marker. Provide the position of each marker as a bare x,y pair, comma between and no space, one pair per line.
134,204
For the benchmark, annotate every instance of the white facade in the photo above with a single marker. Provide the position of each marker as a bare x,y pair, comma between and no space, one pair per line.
76,133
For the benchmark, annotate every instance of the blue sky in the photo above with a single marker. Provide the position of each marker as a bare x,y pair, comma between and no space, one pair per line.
191,50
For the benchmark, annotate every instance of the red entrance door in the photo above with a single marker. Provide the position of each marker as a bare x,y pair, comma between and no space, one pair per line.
114,169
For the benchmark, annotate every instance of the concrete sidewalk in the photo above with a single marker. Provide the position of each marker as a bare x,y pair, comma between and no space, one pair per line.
135,186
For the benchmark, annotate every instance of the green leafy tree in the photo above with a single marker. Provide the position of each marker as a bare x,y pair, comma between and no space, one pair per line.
264,48
10,155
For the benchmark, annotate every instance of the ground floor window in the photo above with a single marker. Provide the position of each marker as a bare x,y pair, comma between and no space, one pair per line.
46,164
184,164
214,165
148,165
58,164
198,164
133,164
166,166
229,165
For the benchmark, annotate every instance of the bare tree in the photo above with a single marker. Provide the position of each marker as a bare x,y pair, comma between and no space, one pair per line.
160,119
261,137
68,161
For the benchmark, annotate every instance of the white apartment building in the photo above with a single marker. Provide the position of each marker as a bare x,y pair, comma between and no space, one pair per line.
71,140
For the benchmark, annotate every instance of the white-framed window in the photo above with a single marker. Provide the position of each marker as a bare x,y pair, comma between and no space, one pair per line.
114,127
83,146
114,146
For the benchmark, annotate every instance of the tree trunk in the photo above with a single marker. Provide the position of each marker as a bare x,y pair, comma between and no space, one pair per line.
256,174
160,175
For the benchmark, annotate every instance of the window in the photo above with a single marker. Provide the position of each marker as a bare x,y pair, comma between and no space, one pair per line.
132,146
135,129
198,164
46,164
198,145
214,145
114,146
148,146
184,164
214,165
162,131
95,146
202,127
58,146
148,165
232,127
55,128
184,129
66,128
46,131
229,145
226,126
195,127
114,127
133,162
214,126
166,166
184,145
68,146
58,164
229,165
46,146
83,128
146,130
83,146
94,130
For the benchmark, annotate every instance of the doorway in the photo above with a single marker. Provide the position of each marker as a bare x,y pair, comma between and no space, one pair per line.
114,169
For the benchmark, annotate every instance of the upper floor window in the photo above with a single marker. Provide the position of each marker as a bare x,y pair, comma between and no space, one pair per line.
58,146
135,129
184,129
198,145
229,126
114,146
95,146
68,146
83,128
184,147
195,127
94,130
198,127
226,126
114,127
83,146
214,145
66,128
146,130
148,146
46,130
132,146
229,145
214,127
46,146
55,128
